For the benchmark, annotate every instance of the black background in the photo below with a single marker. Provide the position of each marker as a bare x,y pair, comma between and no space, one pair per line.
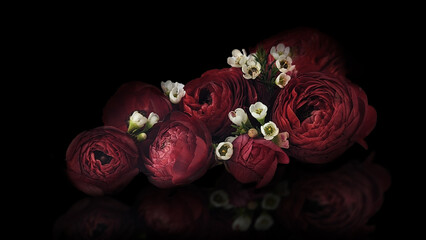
78,59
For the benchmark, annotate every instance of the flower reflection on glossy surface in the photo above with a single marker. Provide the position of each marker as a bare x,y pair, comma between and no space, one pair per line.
300,204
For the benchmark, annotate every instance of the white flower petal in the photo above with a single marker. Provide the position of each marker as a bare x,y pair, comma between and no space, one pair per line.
269,130
263,222
258,110
224,150
280,48
166,86
241,223
236,53
153,118
176,95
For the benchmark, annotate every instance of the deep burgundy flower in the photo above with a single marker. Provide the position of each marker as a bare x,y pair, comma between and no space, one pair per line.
255,160
178,151
102,160
324,116
337,203
178,213
96,218
134,96
212,96
310,49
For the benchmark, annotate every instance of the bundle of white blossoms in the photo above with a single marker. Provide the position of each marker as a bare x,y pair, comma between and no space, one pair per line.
242,124
255,64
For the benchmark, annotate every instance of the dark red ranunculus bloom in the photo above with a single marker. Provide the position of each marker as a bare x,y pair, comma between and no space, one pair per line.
336,204
174,213
324,116
311,50
102,160
134,96
177,151
96,218
255,160
212,96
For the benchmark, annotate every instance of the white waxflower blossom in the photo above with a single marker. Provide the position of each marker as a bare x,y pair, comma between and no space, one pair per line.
269,130
279,50
282,80
263,222
224,150
177,93
270,201
136,121
238,58
241,223
219,198
167,86
251,68
230,139
258,110
153,118
285,64
238,117
174,90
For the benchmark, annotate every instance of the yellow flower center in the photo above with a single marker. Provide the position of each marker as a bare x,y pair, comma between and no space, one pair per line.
268,130
223,150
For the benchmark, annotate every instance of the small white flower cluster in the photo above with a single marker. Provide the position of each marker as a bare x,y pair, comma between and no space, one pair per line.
244,219
283,62
139,124
248,64
251,68
258,110
173,90
239,118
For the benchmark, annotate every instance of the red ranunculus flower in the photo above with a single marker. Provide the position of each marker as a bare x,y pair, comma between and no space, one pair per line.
212,96
102,160
177,151
310,49
255,160
324,116
337,203
96,218
174,213
134,96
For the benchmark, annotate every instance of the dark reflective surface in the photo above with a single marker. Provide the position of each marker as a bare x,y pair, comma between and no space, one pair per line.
353,197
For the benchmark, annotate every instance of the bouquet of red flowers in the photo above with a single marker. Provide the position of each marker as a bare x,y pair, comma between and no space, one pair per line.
285,100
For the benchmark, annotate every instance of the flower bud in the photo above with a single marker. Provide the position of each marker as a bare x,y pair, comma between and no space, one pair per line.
153,119
238,117
136,121
141,136
252,132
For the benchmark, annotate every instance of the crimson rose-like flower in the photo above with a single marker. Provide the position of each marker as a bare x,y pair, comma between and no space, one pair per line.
177,151
310,50
96,218
255,160
134,96
174,213
335,204
212,96
324,115
102,160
